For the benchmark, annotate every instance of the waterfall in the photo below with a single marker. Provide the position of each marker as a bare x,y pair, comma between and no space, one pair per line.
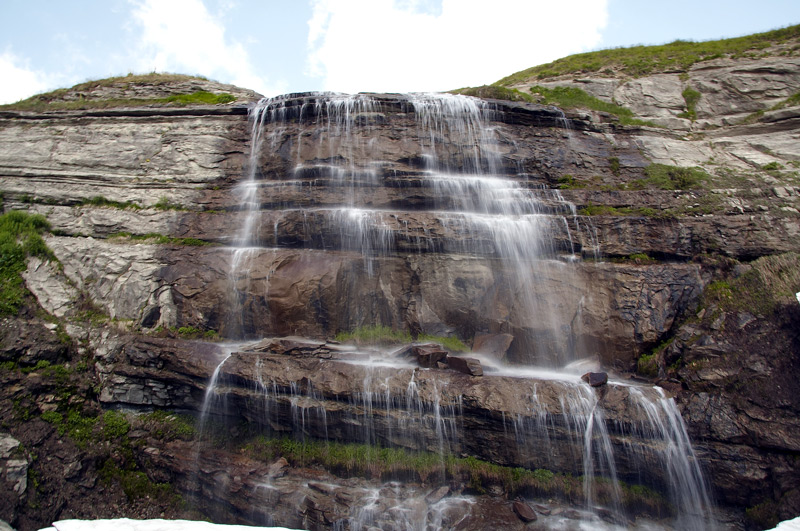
478,205
474,205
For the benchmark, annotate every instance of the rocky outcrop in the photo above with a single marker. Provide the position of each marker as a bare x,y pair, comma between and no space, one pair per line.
146,203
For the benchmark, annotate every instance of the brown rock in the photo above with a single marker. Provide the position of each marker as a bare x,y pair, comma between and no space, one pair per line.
436,495
524,511
495,345
469,366
429,355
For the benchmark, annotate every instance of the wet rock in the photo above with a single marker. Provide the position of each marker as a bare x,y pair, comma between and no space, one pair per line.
428,356
595,379
495,345
436,495
524,511
542,509
471,366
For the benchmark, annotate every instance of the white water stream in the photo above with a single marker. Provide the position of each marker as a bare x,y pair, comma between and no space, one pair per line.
478,198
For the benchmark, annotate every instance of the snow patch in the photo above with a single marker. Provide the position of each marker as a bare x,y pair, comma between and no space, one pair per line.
126,524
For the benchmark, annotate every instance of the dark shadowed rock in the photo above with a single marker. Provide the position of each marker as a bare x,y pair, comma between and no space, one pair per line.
429,356
595,379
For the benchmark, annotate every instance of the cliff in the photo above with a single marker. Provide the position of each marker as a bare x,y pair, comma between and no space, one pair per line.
678,265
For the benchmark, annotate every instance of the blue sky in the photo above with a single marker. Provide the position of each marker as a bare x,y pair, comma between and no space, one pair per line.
275,46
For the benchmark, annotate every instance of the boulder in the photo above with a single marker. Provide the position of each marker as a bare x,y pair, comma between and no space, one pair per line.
524,511
429,356
471,366
494,345
595,379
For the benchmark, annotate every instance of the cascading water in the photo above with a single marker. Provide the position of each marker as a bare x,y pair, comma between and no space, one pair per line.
479,206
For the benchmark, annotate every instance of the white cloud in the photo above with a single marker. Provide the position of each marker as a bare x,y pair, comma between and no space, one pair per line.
181,36
390,45
17,81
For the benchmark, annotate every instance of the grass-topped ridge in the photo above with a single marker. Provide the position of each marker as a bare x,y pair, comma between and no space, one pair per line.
125,91
575,98
677,56
494,92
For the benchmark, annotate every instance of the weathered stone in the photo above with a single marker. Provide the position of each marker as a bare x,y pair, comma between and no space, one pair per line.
542,509
495,345
471,366
595,379
436,495
429,356
524,511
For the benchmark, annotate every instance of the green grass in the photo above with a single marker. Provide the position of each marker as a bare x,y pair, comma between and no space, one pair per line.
383,335
20,237
691,97
495,93
637,61
167,426
156,238
376,462
56,100
665,177
100,201
575,98
771,281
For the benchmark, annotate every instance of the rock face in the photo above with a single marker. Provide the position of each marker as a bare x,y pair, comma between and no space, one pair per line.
180,221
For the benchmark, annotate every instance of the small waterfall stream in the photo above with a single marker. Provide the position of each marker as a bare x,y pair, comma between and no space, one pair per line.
496,211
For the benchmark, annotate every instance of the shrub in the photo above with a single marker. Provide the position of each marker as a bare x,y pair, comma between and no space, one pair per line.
20,237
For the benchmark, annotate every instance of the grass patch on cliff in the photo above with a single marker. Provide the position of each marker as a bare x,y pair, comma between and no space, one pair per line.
384,335
764,286
387,464
100,201
665,177
156,239
575,98
80,97
637,61
20,237
494,92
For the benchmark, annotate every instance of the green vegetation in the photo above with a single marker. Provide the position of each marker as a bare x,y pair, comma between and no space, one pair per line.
763,516
613,164
791,101
639,61
79,426
383,335
190,332
168,426
590,209
575,98
647,364
691,97
156,238
100,201
20,237
494,92
135,483
392,463
771,281
165,204
75,98
666,177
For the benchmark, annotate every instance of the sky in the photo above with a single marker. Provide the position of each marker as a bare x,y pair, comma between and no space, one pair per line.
281,46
